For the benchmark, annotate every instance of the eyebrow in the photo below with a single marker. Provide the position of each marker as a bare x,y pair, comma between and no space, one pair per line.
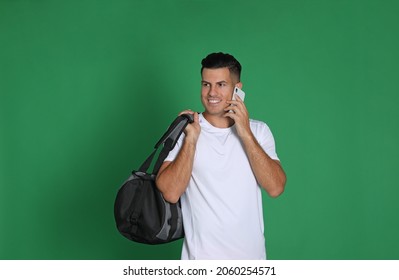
219,82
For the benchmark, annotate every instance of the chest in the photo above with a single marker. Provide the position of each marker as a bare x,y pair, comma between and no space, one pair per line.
221,153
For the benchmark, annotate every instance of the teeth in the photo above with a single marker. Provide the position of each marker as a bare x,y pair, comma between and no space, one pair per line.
213,101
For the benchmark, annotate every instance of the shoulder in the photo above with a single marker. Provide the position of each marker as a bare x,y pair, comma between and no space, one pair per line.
261,131
258,126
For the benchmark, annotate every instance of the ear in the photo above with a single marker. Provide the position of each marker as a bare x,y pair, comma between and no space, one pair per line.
239,85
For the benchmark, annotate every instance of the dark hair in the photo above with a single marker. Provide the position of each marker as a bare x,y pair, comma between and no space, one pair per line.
222,60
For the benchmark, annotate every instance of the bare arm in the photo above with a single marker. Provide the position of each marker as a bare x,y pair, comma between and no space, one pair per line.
268,172
173,176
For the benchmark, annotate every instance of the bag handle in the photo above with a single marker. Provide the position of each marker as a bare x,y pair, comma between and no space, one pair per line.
175,130
169,140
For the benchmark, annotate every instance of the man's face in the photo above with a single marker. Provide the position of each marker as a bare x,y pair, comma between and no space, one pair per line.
216,88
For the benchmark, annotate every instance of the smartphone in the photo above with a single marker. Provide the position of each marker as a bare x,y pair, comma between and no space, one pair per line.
239,92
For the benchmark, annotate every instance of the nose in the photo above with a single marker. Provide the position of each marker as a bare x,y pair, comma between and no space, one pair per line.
212,91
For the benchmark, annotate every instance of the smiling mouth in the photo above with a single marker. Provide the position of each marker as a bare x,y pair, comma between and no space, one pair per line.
214,101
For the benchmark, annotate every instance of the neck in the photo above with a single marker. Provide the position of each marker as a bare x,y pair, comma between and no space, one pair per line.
218,121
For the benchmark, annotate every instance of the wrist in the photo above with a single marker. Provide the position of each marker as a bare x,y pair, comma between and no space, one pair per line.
191,139
247,137
245,134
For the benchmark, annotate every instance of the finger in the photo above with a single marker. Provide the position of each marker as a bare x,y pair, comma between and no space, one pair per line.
237,110
231,107
196,117
239,107
233,102
230,115
189,111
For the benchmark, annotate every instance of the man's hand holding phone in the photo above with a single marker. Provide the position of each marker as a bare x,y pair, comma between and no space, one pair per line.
238,96
238,112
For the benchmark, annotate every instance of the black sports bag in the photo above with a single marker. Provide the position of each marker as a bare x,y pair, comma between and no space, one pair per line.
141,212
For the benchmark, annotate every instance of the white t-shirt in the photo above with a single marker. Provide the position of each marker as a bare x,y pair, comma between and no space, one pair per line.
222,205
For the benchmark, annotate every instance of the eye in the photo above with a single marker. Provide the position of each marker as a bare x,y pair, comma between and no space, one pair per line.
205,84
222,84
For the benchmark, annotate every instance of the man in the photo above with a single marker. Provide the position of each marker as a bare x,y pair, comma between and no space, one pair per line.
217,167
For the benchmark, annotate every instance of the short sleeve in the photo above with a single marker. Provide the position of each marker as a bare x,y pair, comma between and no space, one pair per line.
265,138
173,153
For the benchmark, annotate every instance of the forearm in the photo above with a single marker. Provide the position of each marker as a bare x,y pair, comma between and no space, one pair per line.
268,172
174,176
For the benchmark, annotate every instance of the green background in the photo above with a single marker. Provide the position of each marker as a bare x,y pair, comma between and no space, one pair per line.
88,87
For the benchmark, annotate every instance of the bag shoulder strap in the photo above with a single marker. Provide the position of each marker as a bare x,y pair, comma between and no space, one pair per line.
169,140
